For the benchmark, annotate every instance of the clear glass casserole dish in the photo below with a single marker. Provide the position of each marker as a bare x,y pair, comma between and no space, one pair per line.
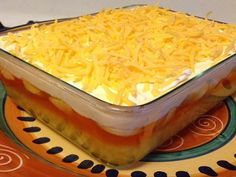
115,134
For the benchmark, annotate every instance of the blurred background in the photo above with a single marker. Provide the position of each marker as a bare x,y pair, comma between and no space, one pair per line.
15,12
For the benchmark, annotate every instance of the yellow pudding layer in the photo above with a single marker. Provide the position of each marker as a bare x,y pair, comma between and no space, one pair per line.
125,56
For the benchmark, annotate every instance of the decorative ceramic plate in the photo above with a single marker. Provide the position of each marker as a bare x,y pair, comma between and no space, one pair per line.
30,149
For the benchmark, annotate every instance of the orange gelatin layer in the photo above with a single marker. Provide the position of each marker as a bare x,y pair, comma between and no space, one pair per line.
78,121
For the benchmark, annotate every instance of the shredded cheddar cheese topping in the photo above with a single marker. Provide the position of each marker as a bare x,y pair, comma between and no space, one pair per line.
120,48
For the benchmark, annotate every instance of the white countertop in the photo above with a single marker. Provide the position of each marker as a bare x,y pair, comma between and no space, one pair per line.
16,12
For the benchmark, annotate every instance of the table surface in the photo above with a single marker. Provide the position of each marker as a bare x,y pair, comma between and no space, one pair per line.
15,12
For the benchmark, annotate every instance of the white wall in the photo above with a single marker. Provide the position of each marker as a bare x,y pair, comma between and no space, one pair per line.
15,12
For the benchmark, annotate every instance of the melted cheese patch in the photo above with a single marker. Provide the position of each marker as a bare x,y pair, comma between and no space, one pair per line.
131,55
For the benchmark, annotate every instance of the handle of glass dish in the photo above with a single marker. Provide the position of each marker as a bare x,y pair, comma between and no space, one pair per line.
2,27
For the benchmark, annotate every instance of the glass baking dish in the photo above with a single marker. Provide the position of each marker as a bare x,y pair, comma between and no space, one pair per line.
116,135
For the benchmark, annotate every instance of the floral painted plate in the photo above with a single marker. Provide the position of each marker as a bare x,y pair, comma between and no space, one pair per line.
30,149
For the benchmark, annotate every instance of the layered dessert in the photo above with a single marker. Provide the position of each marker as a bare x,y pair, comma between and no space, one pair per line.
126,58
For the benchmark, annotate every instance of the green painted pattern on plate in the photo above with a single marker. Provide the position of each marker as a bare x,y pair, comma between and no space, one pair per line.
3,124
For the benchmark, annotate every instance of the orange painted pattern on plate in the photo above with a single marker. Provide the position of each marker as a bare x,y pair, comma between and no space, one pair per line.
15,161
